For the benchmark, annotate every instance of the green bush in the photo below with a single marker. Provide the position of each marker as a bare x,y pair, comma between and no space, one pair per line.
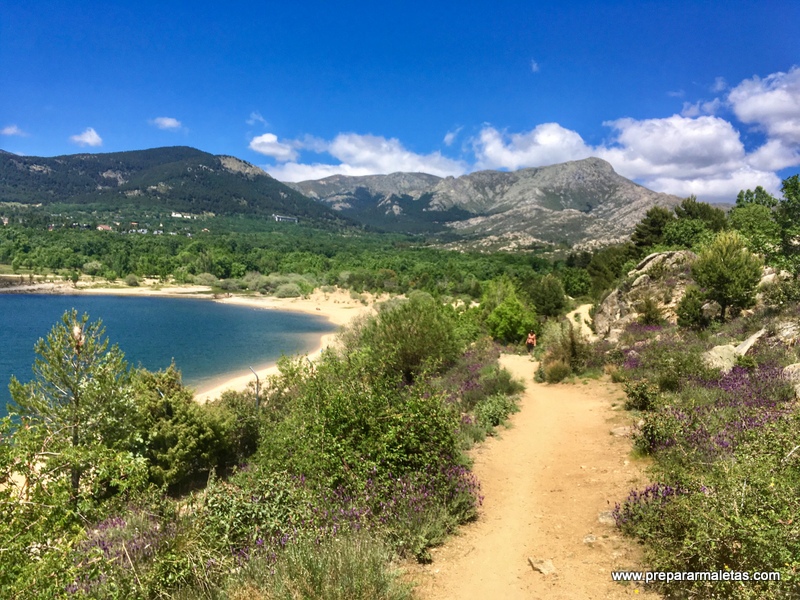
181,439
407,337
495,410
690,310
641,395
131,280
649,312
288,290
556,371
348,567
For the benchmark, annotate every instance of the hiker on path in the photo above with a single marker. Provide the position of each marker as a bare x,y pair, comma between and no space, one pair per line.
531,341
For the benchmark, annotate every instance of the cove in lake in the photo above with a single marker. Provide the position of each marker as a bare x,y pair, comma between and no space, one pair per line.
205,339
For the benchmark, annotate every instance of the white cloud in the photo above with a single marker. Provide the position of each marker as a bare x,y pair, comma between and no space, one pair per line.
362,155
696,152
676,155
534,66
675,147
676,94
719,188
269,145
88,138
12,130
547,144
772,103
774,156
255,117
701,107
383,155
451,136
166,123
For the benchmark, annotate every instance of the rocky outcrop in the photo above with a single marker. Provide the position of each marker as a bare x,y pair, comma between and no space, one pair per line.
661,276
724,357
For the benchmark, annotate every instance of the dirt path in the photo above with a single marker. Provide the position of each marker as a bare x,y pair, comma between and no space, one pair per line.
581,316
546,480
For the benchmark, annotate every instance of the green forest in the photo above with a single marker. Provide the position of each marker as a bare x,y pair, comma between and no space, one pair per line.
115,483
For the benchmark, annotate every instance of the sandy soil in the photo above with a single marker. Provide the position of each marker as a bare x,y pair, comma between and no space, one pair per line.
546,481
338,307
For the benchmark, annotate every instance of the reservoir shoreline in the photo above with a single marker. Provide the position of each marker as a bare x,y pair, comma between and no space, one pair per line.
337,307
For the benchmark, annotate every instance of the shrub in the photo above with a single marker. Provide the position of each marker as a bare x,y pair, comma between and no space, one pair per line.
131,280
649,312
495,410
205,279
288,290
407,337
556,371
690,310
641,395
348,567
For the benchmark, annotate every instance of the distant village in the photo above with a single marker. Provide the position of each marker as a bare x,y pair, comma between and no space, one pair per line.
133,227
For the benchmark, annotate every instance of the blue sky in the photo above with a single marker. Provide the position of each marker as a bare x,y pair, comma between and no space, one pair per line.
695,97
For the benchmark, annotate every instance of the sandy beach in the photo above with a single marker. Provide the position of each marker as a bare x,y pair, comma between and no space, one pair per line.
338,307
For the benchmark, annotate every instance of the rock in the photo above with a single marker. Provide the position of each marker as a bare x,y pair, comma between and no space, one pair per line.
721,357
590,540
544,566
711,310
642,279
724,357
664,260
767,280
792,373
788,332
745,346
621,431
606,518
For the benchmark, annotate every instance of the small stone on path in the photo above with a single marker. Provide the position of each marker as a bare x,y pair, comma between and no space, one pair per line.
544,566
606,518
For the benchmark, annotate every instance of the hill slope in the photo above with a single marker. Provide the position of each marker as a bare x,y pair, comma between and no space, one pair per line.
174,178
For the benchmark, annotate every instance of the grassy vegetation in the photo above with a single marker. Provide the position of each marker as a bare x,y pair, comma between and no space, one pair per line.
726,469
348,464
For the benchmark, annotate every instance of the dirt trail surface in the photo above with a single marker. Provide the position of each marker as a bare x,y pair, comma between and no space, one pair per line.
547,480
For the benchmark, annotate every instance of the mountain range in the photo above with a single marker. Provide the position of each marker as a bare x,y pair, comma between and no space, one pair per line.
581,203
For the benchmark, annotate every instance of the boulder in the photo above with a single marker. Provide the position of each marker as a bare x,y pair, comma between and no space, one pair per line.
724,357
669,261
721,357
792,373
788,332
745,346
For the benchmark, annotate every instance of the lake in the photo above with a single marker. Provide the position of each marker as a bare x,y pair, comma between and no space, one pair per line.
205,339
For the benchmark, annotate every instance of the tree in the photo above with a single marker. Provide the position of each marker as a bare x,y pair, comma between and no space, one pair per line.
75,416
787,216
686,233
711,216
760,196
650,230
511,320
756,223
548,296
728,272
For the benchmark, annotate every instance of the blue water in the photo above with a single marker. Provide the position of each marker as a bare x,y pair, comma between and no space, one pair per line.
205,339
